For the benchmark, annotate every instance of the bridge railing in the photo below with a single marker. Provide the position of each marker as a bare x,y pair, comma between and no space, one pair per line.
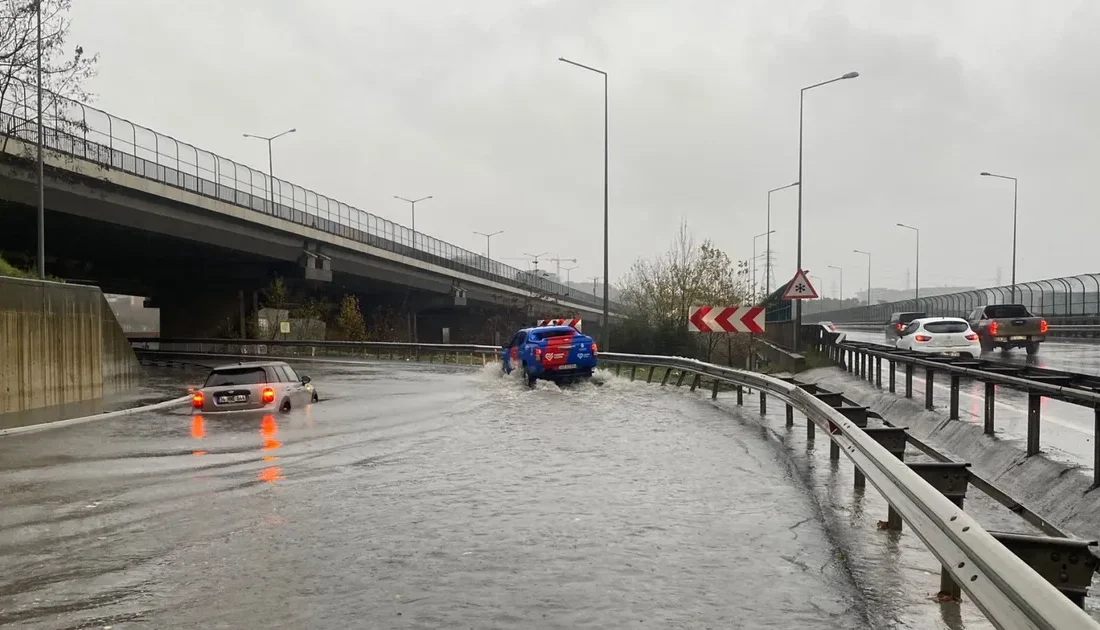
78,130
1006,588
1072,296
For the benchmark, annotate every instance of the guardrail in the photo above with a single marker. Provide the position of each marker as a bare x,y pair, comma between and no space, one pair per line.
989,567
1075,331
865,360
467,354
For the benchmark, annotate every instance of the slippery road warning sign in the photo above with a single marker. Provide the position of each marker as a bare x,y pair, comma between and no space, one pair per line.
800,288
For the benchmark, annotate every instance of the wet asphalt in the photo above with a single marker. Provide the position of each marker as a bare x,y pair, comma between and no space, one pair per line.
433,497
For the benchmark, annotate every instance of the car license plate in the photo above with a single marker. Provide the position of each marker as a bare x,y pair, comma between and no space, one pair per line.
568,366
232,399
1018,338
950,354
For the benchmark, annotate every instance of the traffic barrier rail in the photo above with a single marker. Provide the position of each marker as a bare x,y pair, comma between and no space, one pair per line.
865,360
1007,589
1081,331
260,348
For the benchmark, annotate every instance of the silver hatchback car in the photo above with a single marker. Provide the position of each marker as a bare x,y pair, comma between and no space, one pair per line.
259,385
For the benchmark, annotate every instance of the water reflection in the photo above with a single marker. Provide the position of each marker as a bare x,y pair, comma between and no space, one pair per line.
269,430
198,432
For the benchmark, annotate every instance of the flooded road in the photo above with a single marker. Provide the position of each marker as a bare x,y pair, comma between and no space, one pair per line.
428,497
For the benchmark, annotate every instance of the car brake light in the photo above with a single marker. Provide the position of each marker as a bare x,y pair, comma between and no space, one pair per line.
993,328
267,395
972,337
921,338
594,348
1043,327
900,326
197,400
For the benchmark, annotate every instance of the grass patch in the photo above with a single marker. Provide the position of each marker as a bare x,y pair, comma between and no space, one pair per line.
9,270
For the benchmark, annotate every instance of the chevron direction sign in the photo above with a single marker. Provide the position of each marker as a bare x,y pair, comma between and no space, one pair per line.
571,322
730,319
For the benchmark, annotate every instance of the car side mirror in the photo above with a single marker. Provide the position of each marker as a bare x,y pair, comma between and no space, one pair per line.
306,380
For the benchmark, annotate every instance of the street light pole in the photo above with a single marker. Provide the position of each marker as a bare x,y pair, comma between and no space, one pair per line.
841,282
606,295
270,166
801,101
754,239
768,244
413,202
868,255
1014,197
41,167
916,288
487,237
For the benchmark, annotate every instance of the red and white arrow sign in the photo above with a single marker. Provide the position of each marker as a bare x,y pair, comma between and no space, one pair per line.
735,319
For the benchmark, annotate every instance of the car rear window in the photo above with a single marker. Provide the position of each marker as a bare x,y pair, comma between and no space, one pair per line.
1006,310
905,318
946,327
236,376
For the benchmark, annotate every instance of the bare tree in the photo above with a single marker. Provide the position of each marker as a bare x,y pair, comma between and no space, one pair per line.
65,69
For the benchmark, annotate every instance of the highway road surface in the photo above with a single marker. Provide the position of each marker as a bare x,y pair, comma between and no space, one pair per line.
431,497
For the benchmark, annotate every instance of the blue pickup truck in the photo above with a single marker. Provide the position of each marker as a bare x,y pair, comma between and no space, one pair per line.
556,353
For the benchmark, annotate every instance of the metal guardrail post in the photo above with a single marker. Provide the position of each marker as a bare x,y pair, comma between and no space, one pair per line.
893,377
1034,404
680,380
714,390
695,382
1096,447
790,416
740,396
929,379
878,372
633,371
908,380
953,414
649,377
990,403
664,379
1065,562
763,403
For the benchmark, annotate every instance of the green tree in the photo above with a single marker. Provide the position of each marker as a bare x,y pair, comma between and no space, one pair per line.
350,322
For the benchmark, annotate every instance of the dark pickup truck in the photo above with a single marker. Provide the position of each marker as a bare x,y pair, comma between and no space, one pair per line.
1008,326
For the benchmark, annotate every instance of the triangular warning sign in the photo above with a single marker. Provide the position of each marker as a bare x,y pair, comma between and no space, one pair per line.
800,288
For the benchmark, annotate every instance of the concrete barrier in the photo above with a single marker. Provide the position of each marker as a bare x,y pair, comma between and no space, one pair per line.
61,351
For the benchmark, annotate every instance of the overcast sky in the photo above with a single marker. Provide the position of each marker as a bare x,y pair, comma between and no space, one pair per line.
466,101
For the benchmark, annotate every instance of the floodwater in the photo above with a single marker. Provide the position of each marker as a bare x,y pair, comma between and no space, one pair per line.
428,497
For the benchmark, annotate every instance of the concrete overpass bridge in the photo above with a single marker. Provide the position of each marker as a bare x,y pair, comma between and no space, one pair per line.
139,212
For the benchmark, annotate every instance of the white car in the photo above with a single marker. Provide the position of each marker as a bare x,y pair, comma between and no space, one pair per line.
940,335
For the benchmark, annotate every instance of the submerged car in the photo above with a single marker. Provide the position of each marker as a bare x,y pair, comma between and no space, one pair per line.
556,353
260,385
940,335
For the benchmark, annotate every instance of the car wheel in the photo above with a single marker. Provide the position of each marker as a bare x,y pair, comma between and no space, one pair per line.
315,397
1032,348
285,406
528,378
986,346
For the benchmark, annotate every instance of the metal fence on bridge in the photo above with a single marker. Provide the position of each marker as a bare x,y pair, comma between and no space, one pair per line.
82,131
1073,296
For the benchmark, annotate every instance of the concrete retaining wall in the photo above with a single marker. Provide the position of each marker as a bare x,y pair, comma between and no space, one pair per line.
1059,492
61,349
